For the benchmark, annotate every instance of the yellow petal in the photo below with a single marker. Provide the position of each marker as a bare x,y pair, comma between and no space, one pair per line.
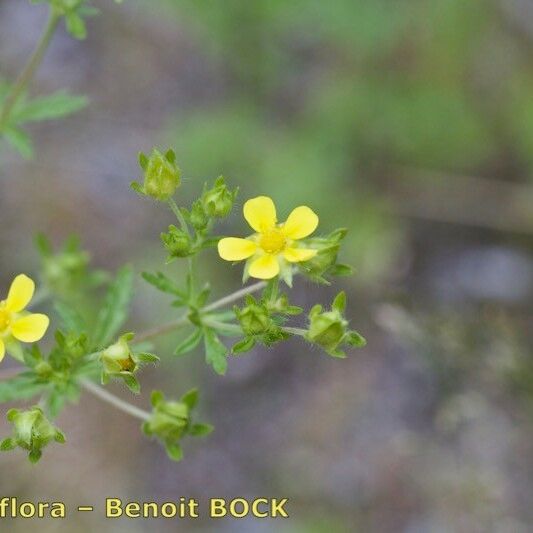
2,349
301,222
20,293
296,255
260,213
30,328
234,249
265,267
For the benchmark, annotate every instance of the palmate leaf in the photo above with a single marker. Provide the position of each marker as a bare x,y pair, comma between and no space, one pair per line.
21,387
56,105
115,309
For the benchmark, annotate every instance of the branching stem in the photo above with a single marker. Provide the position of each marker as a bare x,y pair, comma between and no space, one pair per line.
29,69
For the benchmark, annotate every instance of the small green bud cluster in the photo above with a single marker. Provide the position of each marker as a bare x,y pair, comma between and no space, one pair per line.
161,175
32,431
177,242
261,321
329,329
121,362
324,263
215,202
171,421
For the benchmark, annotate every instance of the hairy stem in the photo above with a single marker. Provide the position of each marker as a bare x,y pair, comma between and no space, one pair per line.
113,400
29,69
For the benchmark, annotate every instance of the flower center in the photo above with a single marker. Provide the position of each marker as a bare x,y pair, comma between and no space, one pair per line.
5,318
272,241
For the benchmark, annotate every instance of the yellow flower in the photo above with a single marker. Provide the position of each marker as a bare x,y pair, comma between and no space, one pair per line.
273,246
14,322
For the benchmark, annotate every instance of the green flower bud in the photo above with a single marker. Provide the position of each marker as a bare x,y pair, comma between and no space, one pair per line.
254,318
119,361
161,175
329,329
177,242
326,329
198,216
218,201
32,431
171,421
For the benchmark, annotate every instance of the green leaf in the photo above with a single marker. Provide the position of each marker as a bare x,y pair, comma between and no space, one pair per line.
156,398
201,430
163,283
43,245
53,106
115,309
190,343
34,456
190,398
339,303
19,140
70,317
75,25
131,382
215,352
356,339
245,345
21,387
7,444
174,452
341,270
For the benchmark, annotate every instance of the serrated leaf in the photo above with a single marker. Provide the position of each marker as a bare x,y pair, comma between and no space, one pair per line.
19,388
190,343
53,106
115,309
215,352
163,283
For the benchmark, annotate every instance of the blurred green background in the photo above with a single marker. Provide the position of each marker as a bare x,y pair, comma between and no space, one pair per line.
409,122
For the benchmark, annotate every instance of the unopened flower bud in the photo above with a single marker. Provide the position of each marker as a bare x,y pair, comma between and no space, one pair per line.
161,175
32,431
177,242
254,318
327,329
218,201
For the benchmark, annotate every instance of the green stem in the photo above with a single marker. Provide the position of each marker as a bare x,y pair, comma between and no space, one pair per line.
296,331
29,69
224,326
115,401
184,321
179,216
